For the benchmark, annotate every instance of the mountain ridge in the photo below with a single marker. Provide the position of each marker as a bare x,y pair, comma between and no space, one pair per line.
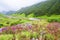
48,7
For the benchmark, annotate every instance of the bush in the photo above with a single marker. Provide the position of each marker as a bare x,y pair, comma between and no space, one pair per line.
1,25
53,20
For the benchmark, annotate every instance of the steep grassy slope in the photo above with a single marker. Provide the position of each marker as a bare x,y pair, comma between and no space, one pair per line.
48,7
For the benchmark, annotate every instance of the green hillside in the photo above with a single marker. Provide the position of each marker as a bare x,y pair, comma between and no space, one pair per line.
48,7
40,21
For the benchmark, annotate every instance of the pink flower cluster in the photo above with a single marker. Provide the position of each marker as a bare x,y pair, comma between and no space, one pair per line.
53,27
14,28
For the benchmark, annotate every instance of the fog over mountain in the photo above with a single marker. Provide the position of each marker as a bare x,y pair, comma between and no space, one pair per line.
14,5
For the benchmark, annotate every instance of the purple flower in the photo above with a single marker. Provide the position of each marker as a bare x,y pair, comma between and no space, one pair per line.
4,28
13,28
0,30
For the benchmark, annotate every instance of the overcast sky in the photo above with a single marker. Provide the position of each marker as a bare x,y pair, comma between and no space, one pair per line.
6,5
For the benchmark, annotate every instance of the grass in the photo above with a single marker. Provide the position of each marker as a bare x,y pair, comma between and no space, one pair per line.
41,24
6,37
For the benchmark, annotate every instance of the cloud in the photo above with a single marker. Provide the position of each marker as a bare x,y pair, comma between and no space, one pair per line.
16,4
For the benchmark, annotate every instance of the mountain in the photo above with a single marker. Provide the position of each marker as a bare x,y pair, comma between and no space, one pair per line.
48,7
8,12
